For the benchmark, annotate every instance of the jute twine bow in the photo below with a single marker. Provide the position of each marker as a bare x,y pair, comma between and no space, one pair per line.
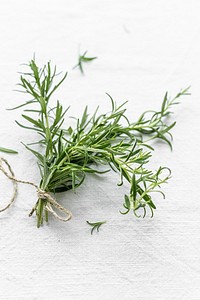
51,202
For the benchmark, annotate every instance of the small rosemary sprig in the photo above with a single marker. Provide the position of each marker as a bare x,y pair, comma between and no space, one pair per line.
66,155
95,225
84,59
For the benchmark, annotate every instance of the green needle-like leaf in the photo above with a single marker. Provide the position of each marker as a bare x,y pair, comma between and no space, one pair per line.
6,150
95,225
84,59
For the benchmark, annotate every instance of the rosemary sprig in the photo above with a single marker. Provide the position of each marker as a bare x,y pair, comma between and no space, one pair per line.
153,123
6,150
95,225
84,59
66,155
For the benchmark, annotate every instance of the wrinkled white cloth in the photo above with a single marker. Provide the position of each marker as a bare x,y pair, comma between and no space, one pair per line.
144,48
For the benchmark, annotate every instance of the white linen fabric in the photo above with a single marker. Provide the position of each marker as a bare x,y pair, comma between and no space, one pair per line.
144,48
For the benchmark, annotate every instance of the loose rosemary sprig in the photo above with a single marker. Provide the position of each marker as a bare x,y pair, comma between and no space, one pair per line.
95,225
66,155
84,59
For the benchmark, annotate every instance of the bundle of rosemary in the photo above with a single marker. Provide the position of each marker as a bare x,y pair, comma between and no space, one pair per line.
68,154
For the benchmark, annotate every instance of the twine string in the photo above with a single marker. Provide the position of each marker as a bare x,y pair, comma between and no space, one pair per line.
51,202
14,194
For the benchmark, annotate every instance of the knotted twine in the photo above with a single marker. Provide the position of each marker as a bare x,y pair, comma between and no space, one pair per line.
51,202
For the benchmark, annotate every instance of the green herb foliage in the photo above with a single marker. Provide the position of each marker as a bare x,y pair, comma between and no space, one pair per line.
6,150
95,225
83,59
68,154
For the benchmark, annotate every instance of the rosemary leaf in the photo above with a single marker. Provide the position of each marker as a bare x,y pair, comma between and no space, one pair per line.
95,225
6,150
83,59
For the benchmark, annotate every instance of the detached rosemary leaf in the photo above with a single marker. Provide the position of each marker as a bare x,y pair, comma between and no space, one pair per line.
6,150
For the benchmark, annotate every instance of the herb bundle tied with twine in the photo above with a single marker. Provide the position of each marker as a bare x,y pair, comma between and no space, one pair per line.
66,155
